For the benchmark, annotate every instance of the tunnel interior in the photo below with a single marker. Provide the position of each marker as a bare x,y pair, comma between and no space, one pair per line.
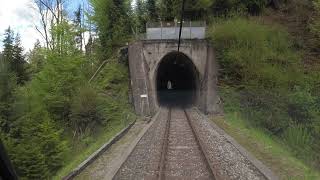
177,81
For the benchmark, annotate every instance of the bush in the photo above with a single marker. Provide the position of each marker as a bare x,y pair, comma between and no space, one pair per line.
86,110
299,138
262,66
223,7
300,107
262,76
256,55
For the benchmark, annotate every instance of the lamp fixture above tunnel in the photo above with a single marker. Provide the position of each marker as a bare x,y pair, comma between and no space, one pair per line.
177,81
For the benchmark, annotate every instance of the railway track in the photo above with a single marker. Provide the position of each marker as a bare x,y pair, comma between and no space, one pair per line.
175,152
182,156
182,144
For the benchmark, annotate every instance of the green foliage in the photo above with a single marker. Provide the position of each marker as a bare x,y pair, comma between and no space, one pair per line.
29,161
58,99
56,84
300,106
7,86
36,58
141,16
13,55
86,110
265,56
66,41
315,23
299,138
262,78
225,7
18,64
113,24
152,10
114,79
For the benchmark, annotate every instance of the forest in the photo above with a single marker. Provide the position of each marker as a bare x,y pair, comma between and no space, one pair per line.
52,116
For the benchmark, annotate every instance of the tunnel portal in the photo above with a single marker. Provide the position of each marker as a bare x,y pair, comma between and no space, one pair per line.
192,73
176,81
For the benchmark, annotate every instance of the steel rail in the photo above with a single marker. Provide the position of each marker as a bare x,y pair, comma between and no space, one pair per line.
213,170
162,164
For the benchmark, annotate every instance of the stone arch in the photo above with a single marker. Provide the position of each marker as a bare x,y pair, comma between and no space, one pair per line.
177,70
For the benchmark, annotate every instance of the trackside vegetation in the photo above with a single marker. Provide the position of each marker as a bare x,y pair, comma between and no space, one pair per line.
52,118
263,81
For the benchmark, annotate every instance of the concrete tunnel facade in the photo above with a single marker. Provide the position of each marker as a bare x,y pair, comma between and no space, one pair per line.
192,74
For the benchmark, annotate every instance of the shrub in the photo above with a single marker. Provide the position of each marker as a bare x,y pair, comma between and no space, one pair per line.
260,63
86,110
300,107
268,87
223,7
299,138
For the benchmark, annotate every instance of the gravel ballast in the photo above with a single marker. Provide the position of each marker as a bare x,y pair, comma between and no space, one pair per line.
223,155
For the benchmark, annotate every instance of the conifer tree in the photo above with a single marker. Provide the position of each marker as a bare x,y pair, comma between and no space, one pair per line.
18,63
8,45
152,10
167,10
7,85
79,29
113,23
13,55
141,15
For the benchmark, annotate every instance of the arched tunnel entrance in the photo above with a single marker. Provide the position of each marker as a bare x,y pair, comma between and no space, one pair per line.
177,81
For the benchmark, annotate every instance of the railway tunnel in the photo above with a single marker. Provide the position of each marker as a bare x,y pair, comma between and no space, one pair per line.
177,81
192,73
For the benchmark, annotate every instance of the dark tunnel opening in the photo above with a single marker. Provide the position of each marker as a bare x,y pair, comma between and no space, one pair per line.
177,81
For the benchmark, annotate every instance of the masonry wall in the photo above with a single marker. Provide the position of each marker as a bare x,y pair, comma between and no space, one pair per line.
144,59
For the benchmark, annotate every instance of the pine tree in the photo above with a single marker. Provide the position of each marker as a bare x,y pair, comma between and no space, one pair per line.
36,58
78,25
13,55
7,81
18,63
141,16
167,10
152,10
52,145
29,161
7,86
8,45
113,23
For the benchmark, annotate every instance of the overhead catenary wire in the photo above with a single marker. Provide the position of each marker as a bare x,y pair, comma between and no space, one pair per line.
181,23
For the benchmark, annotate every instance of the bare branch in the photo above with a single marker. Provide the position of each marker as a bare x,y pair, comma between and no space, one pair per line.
49,8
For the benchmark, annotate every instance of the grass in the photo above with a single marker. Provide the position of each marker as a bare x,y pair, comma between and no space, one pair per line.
112,83
81,151
267,149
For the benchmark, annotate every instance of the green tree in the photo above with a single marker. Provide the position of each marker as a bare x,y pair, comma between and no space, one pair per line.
152,10
167,10
113,24
7,86
86,110
8,44
29,161
18,63
141,16
77,21
13,55
36,58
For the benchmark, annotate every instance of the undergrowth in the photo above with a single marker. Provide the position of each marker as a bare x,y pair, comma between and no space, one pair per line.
262,78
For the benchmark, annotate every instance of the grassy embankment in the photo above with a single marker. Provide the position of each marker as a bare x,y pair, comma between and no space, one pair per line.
270,103
112,83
